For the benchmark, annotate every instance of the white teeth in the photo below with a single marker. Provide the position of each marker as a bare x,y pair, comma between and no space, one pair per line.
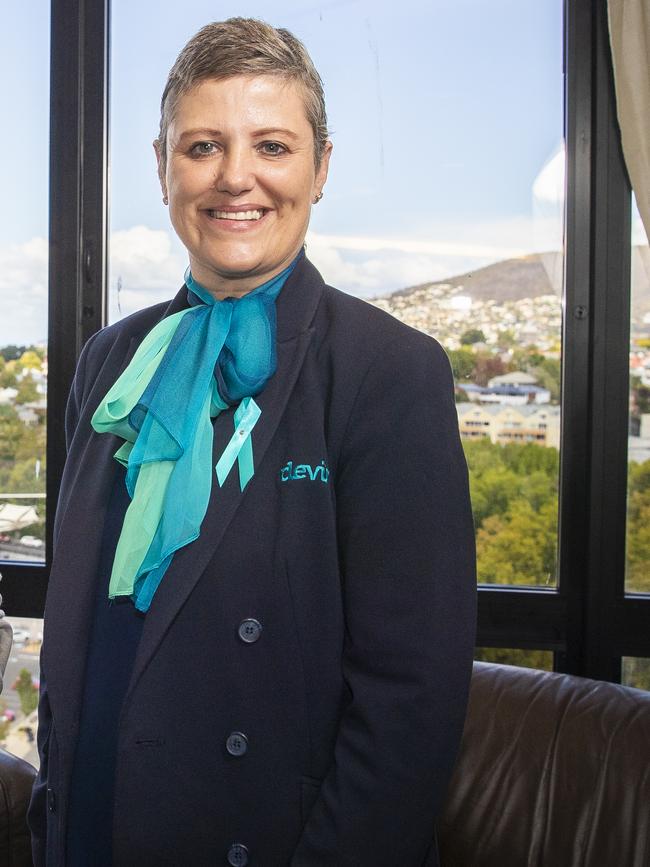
237,215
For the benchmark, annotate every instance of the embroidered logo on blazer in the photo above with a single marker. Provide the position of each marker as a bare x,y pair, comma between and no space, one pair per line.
304,471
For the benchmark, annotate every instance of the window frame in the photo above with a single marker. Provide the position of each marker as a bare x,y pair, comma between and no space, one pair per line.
78,241
588,620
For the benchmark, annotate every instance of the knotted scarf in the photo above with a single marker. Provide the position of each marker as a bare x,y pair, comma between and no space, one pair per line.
190,367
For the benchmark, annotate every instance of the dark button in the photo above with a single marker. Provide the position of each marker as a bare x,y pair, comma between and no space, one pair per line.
237,743
238,855
51,801
249,630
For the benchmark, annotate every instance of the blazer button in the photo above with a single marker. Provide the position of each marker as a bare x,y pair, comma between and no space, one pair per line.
237,743
51,801
238,855
249,630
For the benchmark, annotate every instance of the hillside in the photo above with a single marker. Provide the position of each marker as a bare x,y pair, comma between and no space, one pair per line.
527,277
510,280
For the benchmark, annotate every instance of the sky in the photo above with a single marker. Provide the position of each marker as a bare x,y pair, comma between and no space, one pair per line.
446,119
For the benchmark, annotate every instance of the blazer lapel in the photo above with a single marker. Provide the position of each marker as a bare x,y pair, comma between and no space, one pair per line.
296,306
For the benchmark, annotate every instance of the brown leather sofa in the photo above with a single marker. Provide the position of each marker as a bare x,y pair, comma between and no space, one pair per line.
554,771
16,777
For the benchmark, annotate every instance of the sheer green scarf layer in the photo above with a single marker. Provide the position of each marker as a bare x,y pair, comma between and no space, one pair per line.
190,367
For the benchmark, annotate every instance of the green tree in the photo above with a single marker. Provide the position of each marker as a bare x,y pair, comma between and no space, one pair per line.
27,691
542,659
472,335
514,500
526,458
548,376
27,390
482,455
11,432
638,528
526,357
506,339
27,477
30,359
492,492
8,376
462,363
12,352
636,672
519,547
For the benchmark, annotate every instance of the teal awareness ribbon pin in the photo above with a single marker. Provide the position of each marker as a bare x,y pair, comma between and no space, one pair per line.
240,447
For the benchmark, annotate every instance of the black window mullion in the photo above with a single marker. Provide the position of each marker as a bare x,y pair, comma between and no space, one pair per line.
77,248
518,618
609,410
576,342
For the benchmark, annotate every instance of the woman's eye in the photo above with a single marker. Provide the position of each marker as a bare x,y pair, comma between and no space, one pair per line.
203,149
272,148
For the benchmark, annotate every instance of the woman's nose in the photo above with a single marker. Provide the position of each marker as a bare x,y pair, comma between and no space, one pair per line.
235,173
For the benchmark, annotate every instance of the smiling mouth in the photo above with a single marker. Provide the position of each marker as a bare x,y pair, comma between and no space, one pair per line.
237,215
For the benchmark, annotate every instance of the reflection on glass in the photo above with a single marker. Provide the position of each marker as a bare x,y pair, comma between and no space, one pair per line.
541,659
635,671
444,206
23,281
19,700
637,576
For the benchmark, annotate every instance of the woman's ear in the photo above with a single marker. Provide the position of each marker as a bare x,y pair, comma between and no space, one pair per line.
321,171
161,168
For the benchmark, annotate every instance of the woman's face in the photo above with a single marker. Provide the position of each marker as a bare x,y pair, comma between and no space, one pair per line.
240,178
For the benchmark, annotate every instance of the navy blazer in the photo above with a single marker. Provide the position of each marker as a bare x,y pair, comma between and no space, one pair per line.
361,575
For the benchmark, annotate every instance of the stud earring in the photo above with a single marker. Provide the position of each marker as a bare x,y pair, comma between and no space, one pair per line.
165,200
318,198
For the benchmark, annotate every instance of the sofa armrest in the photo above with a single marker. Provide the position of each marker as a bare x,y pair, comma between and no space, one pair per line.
16,779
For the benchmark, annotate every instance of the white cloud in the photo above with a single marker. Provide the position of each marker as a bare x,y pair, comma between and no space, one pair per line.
430,248
150,264
23,292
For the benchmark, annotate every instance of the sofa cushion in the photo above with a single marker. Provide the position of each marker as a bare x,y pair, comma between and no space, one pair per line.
553,770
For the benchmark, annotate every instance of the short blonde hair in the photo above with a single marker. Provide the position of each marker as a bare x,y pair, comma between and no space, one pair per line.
244,46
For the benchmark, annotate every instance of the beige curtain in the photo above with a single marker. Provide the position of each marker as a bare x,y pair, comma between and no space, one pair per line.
629,33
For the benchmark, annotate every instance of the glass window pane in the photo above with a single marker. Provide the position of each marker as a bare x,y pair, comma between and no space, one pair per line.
637,576
444,205
541,659
18,703
636,672
24,162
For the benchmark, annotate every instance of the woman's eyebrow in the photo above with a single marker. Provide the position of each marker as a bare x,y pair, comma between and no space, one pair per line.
190,133
276,129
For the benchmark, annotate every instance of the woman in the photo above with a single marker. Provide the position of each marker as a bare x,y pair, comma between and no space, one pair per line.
265,664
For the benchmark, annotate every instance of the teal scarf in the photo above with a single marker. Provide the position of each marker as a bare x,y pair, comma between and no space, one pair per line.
190,367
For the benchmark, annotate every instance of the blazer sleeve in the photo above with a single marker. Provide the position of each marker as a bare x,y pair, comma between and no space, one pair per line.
406,543
37,811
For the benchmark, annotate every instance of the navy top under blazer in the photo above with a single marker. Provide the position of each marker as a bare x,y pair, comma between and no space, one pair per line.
298,693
